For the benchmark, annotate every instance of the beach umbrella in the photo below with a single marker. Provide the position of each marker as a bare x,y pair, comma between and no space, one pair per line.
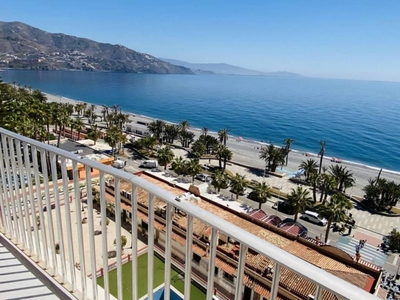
239,138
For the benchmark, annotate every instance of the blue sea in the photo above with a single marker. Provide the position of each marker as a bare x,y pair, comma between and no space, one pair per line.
359,120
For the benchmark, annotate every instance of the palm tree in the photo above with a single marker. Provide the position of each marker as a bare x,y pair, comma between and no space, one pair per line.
184,125
157,128
179,165
226,155
327,183
171,132
94,134
288,142
165,156
300,199
223,135
104,111
314,181
310,167
79,126
219,180
112,138
321,154
262,193
238,184
335,211
344,178
204,131
193,167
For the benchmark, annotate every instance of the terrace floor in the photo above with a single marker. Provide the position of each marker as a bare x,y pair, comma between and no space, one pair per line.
19,282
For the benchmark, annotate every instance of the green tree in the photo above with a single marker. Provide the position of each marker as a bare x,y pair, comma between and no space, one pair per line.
335,211
344,178
238,184
112,138
165,156
287,142
157,129
193,167
124,240
219,180
179,165
223,135
79,126
309,166
262,193
321,154
94,133
300,199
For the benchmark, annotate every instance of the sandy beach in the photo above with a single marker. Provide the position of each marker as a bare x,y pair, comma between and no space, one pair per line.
247,152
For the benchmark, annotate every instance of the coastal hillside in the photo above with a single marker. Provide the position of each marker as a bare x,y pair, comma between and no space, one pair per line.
226,69
26,47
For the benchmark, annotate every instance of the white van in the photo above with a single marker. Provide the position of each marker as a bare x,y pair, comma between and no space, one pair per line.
149,164
119,164
314,217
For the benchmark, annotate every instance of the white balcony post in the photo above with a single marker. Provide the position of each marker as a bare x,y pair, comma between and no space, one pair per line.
211,263
82,261
13,217
240,271
103,209
118,235
27,206
168,245
5,208
44,254
56,192
53,260
33,202
318,293
188,255
275,281
92,245
134,238
17,182
70,239
150,247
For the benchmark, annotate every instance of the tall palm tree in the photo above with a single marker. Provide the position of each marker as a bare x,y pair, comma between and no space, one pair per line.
326,184
157,128
79,126
226,155
179,165
94,134
300,199
171,132
223,135
309,166
288,142
321,154
112,138
184,125
193,167
238,184
344,178
263,193
219,180
165,156
335,211
204,131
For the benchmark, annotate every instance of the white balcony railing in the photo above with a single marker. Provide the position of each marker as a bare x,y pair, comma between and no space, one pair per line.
38,212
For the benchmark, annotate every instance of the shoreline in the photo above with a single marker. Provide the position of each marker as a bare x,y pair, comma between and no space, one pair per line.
245,151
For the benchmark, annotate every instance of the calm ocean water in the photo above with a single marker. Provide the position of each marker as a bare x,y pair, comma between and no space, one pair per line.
358,119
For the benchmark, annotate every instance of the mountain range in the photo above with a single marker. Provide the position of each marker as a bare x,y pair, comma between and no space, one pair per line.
225,69
26,47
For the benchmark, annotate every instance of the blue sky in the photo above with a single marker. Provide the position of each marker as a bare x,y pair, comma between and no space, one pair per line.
333,39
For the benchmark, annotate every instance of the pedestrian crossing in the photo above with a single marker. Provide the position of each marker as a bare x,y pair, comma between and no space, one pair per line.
368,253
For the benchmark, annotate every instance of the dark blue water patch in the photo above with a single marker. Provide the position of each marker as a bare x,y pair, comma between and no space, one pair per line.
358,119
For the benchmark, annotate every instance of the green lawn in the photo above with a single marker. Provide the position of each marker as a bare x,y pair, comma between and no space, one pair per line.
176,281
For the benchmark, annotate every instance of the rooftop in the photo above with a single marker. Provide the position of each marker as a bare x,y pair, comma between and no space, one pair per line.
324,257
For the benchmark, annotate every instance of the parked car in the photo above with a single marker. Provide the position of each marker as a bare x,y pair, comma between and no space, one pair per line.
314,217
284,207
149,164
203,177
